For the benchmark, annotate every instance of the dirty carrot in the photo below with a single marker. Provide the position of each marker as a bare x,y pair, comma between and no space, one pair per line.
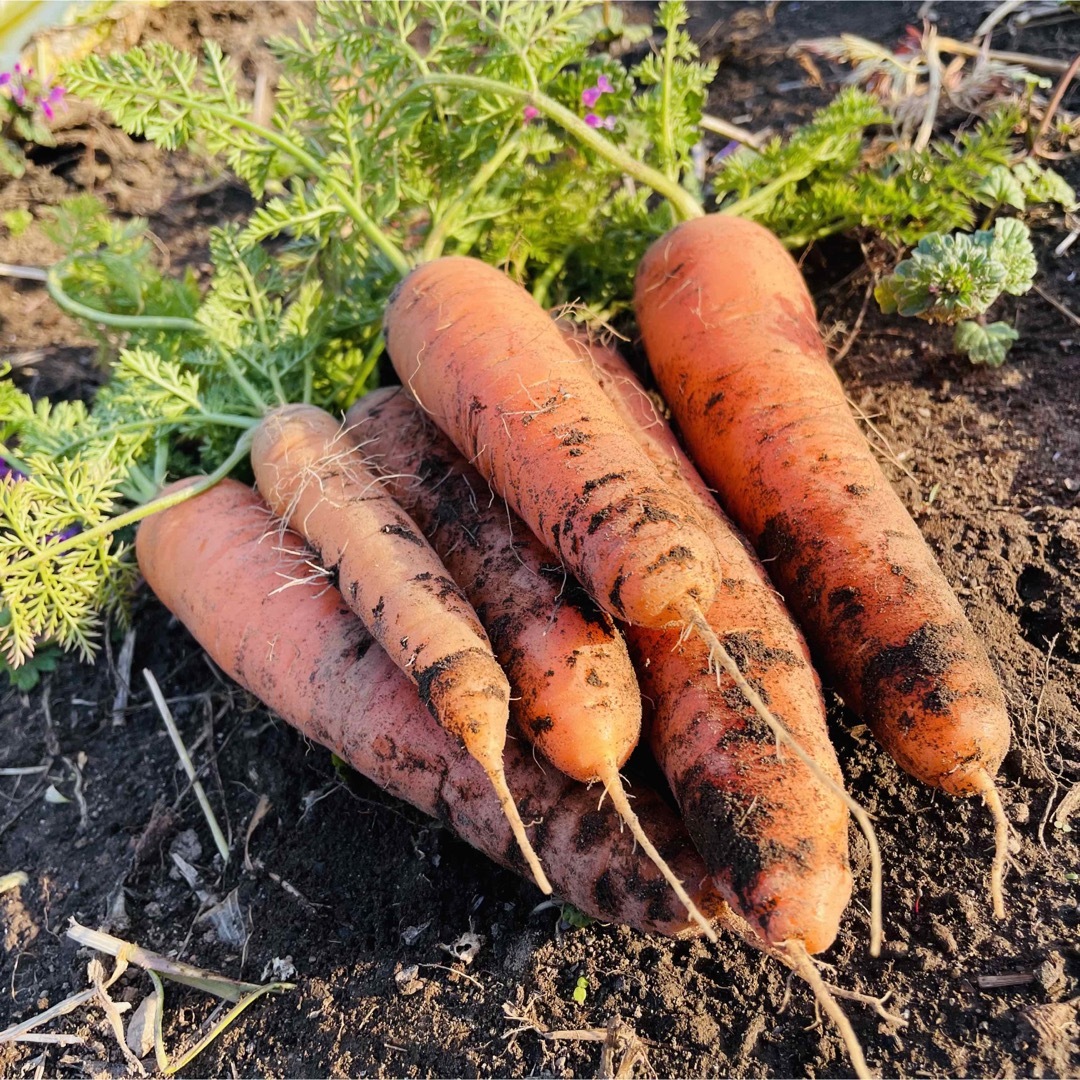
486,363
215,563
575,695
772,830
393,580
732,339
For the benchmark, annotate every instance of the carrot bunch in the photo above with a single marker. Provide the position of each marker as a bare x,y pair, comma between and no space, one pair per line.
520,532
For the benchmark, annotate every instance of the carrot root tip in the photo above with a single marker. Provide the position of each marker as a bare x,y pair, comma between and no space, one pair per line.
517,826
992,799
613,786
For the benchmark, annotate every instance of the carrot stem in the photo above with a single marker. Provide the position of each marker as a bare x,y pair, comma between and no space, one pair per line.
803,966
721,658
992,798
149,322
613,785
684,204
132,517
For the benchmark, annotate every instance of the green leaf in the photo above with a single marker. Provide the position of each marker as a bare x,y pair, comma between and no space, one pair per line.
17,221
12,159
1012,250
28,675
1044,185
1001,188
984,344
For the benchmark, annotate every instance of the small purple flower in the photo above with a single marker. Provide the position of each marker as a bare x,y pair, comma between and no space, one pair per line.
590,96
64,534
54,97
594,121
530,112
27,92
7,470
726,150
603,84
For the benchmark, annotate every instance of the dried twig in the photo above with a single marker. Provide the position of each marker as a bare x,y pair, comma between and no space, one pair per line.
728,130
1055,303
1028,60
1059,92
999,14
185,760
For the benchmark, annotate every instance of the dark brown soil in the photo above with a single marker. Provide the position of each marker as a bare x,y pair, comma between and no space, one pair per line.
350,886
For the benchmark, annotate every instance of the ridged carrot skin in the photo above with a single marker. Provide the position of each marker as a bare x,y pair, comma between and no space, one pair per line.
392,579
213,563
732,338
774,838
386,570
568,666
485,361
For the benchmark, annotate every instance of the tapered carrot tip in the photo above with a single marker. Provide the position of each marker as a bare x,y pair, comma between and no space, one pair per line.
517,827
984,784
613,785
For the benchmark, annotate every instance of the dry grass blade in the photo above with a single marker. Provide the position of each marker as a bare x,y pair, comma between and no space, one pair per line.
112,1009
242,994
123,679
218,985
170,1067
18,1032
185,759
262,808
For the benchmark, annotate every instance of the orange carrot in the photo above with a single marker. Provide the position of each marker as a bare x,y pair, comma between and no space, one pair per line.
731,335
483,359
574,691
393,580
213,563
772,834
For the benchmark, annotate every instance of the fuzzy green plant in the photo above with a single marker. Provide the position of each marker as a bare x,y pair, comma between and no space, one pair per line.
955,278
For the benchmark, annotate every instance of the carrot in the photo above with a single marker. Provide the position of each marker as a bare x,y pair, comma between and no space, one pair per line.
772,832
732,338
485,361
394,581
212,561
574,691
